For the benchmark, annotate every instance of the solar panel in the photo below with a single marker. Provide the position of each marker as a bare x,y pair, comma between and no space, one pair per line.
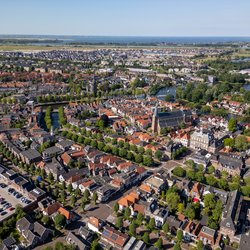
114,237
106,233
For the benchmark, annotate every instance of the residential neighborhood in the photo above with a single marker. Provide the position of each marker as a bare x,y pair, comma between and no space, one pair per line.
125,148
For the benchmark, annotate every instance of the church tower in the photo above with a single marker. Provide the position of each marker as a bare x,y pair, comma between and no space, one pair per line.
155,120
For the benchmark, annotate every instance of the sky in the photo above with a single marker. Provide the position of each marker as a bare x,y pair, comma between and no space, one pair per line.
126,17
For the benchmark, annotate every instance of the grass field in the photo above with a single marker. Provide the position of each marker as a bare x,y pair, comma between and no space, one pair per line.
12,47
242,53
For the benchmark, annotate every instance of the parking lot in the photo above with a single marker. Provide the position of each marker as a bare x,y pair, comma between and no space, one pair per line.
9,199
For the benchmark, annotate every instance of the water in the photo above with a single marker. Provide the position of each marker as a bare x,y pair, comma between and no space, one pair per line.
247,59
162,93
55,120
59,40
247,87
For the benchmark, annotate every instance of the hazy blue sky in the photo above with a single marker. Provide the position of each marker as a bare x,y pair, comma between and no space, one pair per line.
126,17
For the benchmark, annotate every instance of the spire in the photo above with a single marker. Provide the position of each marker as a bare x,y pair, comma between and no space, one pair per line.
156,110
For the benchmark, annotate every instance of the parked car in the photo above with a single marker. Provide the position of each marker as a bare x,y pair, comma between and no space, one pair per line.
11,190
11,208
3,213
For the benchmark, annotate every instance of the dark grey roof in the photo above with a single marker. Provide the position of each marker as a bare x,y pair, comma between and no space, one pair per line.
231,211
8,242
30,237
2,168
52,150
39,229
75,171
84,233
31,154
24,224
208,231
65,143
37,192
175,114
244,242
232,162
173,222
55,167
73,239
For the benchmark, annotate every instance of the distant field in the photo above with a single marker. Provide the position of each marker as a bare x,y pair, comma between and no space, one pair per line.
6,47
242,53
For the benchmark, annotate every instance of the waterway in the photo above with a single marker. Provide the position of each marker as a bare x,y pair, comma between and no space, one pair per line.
54,117
247,87
162,93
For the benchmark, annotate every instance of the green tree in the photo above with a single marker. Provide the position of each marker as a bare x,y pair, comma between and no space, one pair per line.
229,142
45,220
177,246
158,154
119,222
179,171
141,150
211,180
86,194
190,212
146,238
127,213
211,169
223,184
139,218
148,161
180,235
159,243
95,245
50,177
181,207
200,245
83,206
166,228
241,143
63,195
132,229
173,199
73,200
60,221
209,201
151,224
138,158
95,197
116,207
70,188
232,125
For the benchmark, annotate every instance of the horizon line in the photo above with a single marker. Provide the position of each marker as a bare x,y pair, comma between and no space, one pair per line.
162,36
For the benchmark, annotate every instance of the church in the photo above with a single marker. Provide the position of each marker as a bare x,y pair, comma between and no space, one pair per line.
170,119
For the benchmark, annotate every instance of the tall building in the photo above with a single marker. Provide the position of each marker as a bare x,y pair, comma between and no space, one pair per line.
201,139
171,119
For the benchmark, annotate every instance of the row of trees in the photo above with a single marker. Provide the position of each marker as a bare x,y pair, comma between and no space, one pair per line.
8,227
137,222
62,118
197,174
121,149
48,118
240,143
213,209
